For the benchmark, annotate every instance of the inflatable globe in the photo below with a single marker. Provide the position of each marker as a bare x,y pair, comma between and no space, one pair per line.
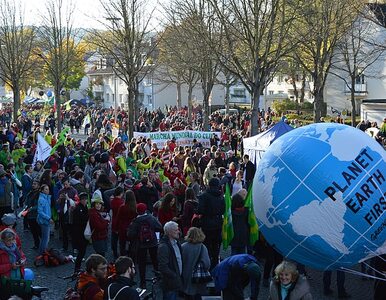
319,196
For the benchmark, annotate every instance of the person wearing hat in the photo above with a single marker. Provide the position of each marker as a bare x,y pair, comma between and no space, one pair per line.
9,221
211,207
142,233
99,223
234,273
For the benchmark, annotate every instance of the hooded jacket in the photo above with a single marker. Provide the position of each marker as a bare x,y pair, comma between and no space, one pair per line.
89,288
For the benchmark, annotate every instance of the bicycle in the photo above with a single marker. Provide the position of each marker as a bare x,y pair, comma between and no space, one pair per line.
156,292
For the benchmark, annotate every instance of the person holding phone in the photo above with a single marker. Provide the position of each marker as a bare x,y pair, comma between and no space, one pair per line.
12,258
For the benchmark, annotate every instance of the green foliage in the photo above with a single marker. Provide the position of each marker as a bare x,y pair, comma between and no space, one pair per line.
281,107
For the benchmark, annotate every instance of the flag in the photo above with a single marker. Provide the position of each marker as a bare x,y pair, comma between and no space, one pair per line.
253,227
227,225
43,150
86,120
61,139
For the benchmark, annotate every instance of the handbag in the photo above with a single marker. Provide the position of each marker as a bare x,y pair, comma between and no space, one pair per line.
88,232
200,273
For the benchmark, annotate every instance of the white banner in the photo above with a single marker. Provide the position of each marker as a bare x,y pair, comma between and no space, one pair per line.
183,137
42,150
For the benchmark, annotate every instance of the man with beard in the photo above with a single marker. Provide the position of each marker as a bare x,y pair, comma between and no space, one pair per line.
120,287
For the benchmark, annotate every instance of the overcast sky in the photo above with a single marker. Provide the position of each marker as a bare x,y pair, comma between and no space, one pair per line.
86,14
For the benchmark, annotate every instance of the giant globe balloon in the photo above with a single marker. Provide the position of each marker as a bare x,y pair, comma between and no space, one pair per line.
319,196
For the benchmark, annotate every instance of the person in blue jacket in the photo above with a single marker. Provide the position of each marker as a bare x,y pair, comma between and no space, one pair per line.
233,274
44,216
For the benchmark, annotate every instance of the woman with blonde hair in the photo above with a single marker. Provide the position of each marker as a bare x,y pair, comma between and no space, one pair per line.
287,284
194,251
189,168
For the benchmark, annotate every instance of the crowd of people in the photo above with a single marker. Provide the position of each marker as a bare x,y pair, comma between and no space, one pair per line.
136,198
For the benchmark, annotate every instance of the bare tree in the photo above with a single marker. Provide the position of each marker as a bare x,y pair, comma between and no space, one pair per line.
256,34
17,42
58,47
127,41
319,26
176,63
355,57
195,21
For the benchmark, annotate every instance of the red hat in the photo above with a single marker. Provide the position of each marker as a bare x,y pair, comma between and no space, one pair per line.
141,208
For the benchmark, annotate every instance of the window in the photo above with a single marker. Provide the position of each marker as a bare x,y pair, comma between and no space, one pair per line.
280,78
238,93
360,79
270,92
107,97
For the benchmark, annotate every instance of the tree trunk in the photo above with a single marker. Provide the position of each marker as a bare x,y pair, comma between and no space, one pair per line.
296,92
303,88
190,102
16,100
353,110
58,108
131,114
227,94
179,99
318,105
255,109
205,104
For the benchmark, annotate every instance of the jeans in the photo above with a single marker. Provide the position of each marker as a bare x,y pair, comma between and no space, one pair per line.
170,295
45,230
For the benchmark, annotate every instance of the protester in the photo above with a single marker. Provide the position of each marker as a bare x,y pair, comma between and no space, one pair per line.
44,217
99,223
233,274
170,261
90,282
287,284
194,251
12,258
80,219
120,287
142,236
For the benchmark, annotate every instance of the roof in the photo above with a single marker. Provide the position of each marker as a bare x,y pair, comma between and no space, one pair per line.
108,70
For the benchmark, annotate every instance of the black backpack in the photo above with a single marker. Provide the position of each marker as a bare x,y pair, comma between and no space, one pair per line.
146,233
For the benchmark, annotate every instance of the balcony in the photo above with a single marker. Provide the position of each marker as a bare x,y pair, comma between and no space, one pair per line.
360,89
98,88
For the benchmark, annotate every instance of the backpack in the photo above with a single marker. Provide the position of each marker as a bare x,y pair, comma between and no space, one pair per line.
146,233
50,258
75,293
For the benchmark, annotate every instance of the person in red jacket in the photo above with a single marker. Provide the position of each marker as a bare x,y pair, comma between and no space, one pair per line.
12,259
99,223
175,173
167,211
115,204
126,214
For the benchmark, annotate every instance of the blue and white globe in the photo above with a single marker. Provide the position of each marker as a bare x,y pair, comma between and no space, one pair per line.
319,196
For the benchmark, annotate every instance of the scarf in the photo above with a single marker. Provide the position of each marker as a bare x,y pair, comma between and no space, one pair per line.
14,256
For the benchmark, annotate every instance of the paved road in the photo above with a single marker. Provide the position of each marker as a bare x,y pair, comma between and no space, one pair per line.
358,288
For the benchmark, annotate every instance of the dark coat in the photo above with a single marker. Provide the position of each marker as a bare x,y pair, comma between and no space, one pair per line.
135,226
168,266
128,293
98,224
211,206
80,218
249,169
240,227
